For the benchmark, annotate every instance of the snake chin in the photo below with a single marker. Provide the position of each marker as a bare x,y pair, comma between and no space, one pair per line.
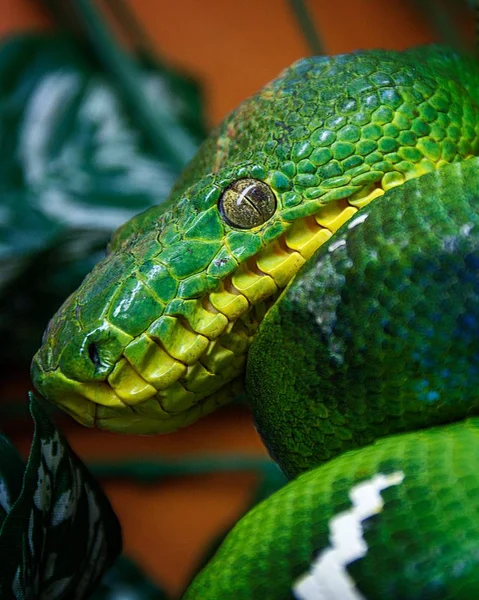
95,404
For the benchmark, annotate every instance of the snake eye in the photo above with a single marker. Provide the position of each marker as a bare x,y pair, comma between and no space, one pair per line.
247,203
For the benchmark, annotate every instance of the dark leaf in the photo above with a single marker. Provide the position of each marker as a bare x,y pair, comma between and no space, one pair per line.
61,534
11,476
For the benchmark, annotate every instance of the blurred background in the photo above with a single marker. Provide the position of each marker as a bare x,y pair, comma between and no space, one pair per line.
101,104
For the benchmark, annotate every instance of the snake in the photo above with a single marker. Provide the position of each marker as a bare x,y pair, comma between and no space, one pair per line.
320,255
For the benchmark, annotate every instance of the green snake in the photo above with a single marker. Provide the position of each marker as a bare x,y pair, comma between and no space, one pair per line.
326,233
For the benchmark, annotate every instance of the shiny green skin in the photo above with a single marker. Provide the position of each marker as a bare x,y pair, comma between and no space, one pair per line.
325,129
343,359
379,332
419,547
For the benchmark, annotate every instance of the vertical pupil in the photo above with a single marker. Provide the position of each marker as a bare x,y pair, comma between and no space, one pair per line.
247,203
259,198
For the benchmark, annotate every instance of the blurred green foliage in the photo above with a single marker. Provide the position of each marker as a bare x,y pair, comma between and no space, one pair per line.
58,533
75,166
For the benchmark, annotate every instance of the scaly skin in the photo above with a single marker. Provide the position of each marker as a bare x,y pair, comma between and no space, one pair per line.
417,547
159,327
376,335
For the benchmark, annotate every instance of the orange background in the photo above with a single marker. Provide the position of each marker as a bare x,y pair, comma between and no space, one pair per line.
236,46
233,48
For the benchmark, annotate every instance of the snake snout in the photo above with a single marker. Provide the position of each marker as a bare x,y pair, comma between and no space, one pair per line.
72,367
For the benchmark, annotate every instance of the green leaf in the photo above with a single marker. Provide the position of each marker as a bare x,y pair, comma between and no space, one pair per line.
75,165
61,534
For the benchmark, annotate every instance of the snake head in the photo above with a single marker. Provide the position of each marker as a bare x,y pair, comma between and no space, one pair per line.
156,334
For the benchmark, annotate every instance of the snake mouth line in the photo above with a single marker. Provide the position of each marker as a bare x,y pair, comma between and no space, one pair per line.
176,371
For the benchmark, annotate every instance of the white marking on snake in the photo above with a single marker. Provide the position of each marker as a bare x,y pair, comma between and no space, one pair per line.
466,229
328,578
358,220
335,245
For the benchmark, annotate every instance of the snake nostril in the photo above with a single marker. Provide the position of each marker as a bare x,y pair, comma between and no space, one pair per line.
94,354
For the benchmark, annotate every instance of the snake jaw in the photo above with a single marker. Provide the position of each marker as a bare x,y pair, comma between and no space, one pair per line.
177,370
174,372
97,404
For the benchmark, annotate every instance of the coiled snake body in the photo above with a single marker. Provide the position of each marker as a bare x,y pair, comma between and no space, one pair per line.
358,171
